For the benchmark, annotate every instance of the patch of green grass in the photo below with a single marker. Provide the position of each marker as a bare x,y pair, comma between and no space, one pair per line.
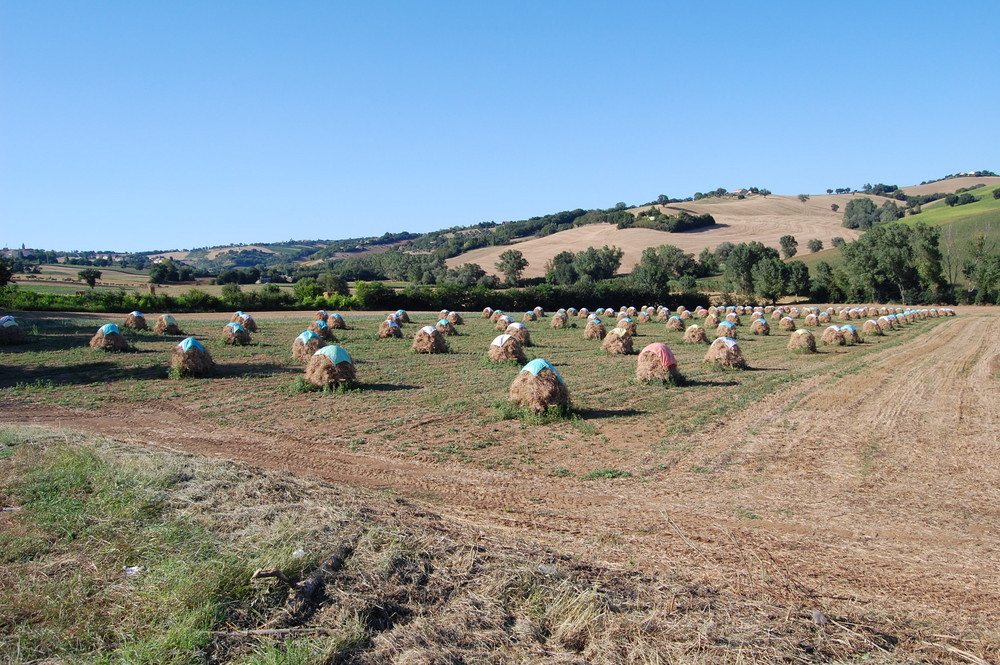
606,473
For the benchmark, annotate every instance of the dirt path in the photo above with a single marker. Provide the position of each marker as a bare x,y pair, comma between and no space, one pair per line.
870,483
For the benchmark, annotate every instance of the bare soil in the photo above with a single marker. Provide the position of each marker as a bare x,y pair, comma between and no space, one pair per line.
875,487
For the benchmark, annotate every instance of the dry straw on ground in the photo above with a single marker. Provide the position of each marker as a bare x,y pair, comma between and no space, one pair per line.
833,336
802,341
235,335
506,348
617,342
538,388
305,345
594,330
107,338
330,366
136,321
166,323
695,334
726,352
520,331
388,329
190,358
429,340
657,364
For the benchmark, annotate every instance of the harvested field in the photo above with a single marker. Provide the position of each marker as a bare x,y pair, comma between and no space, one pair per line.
857,481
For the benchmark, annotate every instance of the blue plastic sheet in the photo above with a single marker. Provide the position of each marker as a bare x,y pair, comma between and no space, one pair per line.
538,364
108,328
190,343
335,354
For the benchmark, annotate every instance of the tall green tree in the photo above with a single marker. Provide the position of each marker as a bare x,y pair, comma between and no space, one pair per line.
860,214
659,265
789,246
5,272
797,278
738,275
768,279
90,276
560,269
896,262
511,264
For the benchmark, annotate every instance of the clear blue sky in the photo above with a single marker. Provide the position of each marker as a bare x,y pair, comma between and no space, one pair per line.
158,125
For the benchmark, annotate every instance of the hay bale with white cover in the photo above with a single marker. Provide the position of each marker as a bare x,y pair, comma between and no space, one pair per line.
802,341
674,323
594,330
811,320
235,334
833,337
190,358
538,388
487,312
506,348
787,323
330,366
165,323
520,331
446,327
245,320
429,340
321,315
136,321
539,312
617,342
388,329
503,321
726,352
733,318
583,313
455,318
321,328
760,327
305,345
10,331
695,334
108,338
658,365
662,314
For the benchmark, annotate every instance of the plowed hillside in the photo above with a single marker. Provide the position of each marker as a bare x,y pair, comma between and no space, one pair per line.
755,218
950,185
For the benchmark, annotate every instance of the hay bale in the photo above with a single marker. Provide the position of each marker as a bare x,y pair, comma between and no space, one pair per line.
529,317
506,348
336,321
621,315
617,342
190,358
136,321
726,329
321,315
558,321
760,327
644,317
823,318
403,316
503,321
884,323
700,313
594,330
107,338
10,331
446,327
663,314
711,321
497,313
725,352
235,334
322,329
674,323
245,320
608,312
733,318
571,312
882,311
695,334
812,320
713,310
520,331
833,336
628,325
538,388
787,323
487,312
165,323
388,329
329,366
583,313
305,345
455,318
657,364
539,312
686,315
429,340
850,334
844,314
802,341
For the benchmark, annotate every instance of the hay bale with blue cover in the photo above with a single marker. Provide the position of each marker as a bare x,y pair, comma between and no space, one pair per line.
520,331
108,338
403,316
594,330
165,323
190,358
235,334
506,348
657,364
558,320
726,352
850,334
529,317
10,331
833,336
446,327
336,321
305,345
675,323
245,320
538,388
389,328
136,321
322,329
726,329
628,325
760,327
329,366
429,340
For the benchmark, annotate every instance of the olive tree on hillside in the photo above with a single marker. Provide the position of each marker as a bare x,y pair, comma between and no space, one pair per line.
512,263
